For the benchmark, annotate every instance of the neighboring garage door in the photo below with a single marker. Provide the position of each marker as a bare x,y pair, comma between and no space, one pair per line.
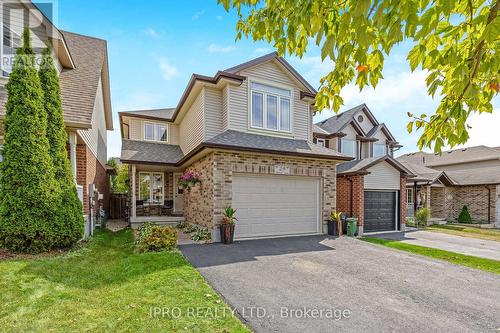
276,205
380,211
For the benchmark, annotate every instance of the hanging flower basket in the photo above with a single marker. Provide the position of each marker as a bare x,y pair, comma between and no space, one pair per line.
189,179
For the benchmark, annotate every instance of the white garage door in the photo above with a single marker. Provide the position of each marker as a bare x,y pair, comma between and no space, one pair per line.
276,205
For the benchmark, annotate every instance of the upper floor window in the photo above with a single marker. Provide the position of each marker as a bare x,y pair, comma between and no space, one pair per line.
349,147
321,142
270,107
379,149
11,41
155,132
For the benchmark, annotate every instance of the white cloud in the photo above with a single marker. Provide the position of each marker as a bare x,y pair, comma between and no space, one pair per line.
214,48
168,71
198,14
219,17
484,129
262,50
152,33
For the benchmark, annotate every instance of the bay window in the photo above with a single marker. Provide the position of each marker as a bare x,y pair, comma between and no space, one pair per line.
270,107
155,132
379,150
349,147
151,187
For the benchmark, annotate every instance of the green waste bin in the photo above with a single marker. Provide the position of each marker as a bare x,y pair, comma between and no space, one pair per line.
352,226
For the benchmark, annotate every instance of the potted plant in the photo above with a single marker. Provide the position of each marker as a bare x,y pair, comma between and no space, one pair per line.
189,179
227,225
335,224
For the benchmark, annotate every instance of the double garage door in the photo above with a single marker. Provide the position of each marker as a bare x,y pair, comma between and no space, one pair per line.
380,211
276,205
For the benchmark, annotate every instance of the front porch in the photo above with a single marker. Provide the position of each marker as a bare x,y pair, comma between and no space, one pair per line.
156,196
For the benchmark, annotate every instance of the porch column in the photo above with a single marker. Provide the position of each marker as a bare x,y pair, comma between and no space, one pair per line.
72,153
133,192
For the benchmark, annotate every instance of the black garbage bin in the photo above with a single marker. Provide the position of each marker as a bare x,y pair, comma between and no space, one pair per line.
333,228
344,224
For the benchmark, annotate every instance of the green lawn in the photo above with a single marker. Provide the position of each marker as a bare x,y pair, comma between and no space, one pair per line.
488,265
488,234
106,286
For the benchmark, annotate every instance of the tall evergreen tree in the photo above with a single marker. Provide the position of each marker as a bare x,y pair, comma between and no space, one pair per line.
27,185
69,216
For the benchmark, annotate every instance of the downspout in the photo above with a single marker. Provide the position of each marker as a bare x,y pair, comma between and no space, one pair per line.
489,203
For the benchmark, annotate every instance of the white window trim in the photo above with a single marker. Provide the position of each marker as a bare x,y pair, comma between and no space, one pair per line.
379,144
321,142
355,149
154,125
410,190
151,174
1,43
264,129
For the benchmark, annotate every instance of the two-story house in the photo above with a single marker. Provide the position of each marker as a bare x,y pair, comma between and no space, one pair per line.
247,131
82,63
371,187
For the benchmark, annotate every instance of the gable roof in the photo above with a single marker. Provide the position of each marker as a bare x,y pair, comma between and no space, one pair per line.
153,114
274,56
79,85
381,127
362,166
456,156
424,174
341,120
150,152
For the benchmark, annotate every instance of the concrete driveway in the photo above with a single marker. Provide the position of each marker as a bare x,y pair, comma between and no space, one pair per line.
470,246
316,284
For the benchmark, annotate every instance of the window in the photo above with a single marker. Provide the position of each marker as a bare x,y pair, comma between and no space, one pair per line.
349,147
360,118
409,196
270,107
155,132
321,142
11,41
151,187
378,150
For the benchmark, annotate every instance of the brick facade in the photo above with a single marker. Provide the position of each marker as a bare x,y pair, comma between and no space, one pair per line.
448,202
91,171
204,204
357,196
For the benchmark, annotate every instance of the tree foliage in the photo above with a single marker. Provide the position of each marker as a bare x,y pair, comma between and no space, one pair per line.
68,217
27,185
119,182
464,216
455,42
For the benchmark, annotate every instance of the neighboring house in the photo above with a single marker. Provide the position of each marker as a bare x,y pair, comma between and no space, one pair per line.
82,62
372,186
446,182
247,131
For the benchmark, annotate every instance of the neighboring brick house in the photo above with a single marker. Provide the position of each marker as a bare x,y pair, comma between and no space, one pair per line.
247,131
82,63
372,186
448,181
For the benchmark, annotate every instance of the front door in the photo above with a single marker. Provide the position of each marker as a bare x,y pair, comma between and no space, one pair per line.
178,195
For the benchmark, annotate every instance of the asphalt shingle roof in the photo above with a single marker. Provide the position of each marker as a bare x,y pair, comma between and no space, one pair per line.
356,166
79,85
457,156
337,122
240,140
150,152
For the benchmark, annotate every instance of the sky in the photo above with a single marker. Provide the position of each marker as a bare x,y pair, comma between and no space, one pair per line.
155,46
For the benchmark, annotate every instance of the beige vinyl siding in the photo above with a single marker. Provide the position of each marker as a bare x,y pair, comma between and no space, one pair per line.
268,73
96,137
350,133
213,112
192,129
136,130
366,124
381,137
225,104
382,177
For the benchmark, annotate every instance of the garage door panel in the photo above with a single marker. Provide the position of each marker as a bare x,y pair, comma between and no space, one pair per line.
275,205
380,211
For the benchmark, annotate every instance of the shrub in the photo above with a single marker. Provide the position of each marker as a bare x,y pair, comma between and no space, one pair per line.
68,215
410,222
155,238
201,234
422,216
28,188
464,216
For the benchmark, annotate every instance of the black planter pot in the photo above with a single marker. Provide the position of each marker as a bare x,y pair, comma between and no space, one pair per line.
332,228
227,236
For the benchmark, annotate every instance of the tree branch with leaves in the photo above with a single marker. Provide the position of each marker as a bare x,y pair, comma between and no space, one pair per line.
455,42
